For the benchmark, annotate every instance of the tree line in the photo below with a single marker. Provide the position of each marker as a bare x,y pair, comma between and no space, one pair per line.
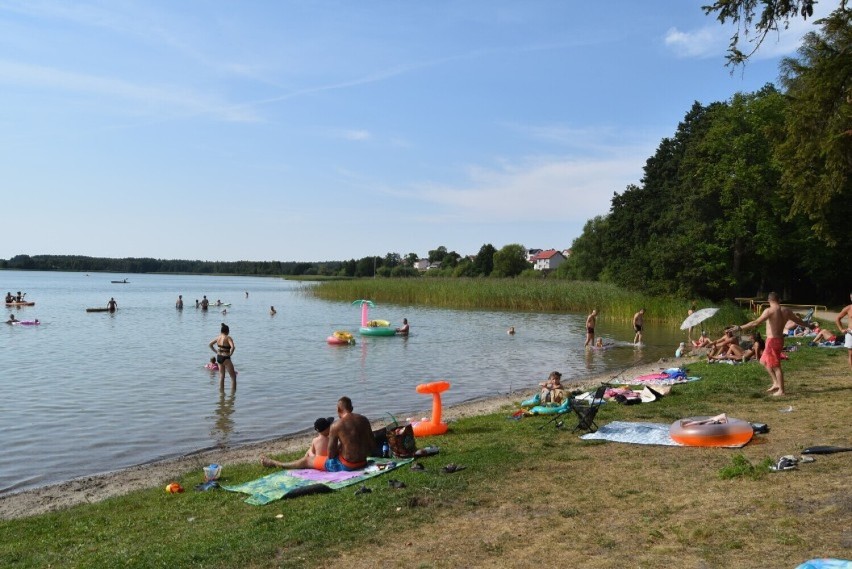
749,195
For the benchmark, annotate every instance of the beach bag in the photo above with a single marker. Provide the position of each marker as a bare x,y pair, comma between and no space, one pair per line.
401,439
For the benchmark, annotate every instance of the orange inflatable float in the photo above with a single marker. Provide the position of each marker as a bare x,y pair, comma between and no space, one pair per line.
434,426
695,432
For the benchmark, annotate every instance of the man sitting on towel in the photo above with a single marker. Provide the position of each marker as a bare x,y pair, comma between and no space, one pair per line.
350,442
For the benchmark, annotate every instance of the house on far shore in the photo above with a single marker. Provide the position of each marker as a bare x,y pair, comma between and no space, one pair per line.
421,264
547,260
531,253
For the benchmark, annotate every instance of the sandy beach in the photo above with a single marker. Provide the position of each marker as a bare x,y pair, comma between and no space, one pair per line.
99,487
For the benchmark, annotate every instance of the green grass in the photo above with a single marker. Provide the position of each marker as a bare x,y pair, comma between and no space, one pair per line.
519,480
612,302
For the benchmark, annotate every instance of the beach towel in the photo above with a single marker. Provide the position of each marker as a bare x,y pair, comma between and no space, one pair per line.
654,379
293,483
636,433
639,434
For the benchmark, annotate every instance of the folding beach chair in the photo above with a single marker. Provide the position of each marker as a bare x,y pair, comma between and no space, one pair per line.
586,411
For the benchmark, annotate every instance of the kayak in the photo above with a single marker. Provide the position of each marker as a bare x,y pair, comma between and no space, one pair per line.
22,303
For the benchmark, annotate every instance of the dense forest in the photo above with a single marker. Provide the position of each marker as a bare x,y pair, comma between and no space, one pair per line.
748,195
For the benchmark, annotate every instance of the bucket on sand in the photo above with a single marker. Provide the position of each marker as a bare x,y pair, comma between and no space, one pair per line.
212,472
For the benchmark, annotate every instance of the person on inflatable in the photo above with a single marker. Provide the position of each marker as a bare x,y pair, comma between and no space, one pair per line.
12,319
552,390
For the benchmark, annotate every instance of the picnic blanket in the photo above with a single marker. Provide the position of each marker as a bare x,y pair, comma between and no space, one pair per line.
668,376
292,483
636,433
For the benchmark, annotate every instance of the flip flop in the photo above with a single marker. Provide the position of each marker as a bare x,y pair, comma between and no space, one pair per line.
362,490
396,484
417,466
450,468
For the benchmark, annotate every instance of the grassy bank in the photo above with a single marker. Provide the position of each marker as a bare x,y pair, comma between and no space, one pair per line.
612,302
526,495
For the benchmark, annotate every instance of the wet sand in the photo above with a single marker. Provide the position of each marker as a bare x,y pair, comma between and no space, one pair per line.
99,487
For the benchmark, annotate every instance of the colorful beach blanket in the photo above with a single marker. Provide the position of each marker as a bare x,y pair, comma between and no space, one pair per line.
292,483
654,379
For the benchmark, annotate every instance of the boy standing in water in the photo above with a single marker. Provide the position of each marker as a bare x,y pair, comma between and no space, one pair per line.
590,328
638,322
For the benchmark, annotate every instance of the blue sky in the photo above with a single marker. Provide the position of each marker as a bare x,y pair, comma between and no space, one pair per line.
318,130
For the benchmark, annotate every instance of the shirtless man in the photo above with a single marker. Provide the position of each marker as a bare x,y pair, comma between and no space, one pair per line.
179,302
638,322
204,302
112,305
350,442
846,313
590,328
776,316
403,330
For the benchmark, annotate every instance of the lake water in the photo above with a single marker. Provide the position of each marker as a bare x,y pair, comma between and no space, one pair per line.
86,393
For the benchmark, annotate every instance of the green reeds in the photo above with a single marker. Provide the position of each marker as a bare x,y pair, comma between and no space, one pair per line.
525,295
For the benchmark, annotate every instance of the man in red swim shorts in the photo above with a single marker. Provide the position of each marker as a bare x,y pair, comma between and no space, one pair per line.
775,317
847,339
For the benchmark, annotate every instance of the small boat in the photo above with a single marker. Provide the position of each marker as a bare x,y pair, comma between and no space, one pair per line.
21,303
125,281
97,309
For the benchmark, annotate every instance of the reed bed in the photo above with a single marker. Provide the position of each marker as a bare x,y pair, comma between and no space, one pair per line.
524,295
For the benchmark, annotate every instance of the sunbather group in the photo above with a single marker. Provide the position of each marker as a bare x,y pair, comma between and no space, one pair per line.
340,445
728,348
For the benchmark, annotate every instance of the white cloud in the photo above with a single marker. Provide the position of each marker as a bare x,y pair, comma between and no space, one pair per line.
170,99
701,43
357,135
712,40
541,189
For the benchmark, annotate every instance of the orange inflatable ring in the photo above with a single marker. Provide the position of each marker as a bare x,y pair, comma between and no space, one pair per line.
434,426
735,432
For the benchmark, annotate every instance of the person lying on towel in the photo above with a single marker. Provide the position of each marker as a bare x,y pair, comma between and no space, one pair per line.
350,442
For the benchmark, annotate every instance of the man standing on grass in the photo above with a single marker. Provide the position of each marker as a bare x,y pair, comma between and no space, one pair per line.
846,313
775,317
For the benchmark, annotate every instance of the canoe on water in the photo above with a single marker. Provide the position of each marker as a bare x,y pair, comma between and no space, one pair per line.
22,303
97,310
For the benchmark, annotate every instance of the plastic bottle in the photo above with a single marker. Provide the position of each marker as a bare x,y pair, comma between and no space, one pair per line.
385,450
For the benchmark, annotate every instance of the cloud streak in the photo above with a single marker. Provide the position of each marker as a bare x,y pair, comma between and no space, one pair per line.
540,189
185,101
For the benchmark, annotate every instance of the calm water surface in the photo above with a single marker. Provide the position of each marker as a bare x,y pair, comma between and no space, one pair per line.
94,392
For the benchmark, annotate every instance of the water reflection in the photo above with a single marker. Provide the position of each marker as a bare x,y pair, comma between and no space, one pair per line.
223,425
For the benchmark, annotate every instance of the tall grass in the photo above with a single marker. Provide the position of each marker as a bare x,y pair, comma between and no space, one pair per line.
526,295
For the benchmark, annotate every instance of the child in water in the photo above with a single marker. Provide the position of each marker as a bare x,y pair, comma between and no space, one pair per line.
599,343
212,365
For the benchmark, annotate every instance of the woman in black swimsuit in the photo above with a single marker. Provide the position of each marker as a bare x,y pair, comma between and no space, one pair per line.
224,347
